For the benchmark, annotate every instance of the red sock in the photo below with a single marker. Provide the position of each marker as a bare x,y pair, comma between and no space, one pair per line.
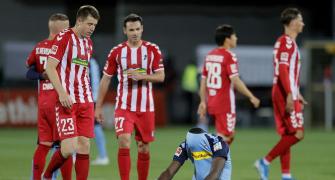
66,169
124,163
143,163
56,161
285,161
39,160
82,166
285,143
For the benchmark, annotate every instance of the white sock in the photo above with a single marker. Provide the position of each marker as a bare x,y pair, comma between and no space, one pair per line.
286,175
266,162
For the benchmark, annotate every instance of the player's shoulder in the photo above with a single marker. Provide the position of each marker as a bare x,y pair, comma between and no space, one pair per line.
284,41
119,46
231,55
151,45
65,34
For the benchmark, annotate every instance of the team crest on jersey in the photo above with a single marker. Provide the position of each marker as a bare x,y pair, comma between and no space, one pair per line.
284,56
178,152
54,49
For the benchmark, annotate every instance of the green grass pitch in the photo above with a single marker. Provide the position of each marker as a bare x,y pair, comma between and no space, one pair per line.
312,159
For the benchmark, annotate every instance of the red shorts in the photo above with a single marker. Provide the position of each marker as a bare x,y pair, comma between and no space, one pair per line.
47,131
46,122
77,121
287,123
225,123
143,122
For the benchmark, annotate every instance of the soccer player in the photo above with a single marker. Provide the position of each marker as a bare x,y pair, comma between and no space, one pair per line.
286,97
46,98
100,140
67,69
137,64
219,79
209,154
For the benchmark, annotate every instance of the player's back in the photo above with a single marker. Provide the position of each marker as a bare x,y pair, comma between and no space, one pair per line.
202,148
38,58
220,65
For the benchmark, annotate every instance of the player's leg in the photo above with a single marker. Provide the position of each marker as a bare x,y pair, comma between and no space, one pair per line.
285,164
85,123
39,159
123,128
100,141
145,127
225,126
43,146
67,130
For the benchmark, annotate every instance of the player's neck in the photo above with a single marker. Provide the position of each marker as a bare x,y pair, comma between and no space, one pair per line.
134,44
226,46
51,36
77,32
292,34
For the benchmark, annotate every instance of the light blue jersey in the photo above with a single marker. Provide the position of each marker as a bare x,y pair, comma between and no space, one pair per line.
201,148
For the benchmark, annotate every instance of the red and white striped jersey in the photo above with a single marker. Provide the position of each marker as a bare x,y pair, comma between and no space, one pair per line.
286,66
133,95
73,54
38,58
220,65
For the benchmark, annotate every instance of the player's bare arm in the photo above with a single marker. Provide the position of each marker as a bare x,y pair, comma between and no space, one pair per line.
103,88
202,93
242,88
157,76
170,171
216,169
64,98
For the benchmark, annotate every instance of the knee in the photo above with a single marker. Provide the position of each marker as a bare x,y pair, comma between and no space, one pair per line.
83,145
300,135
124,142
143,147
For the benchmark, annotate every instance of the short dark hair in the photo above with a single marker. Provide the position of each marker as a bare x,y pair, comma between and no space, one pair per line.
288,15
86,10
58,17
196,130
132,18
222,32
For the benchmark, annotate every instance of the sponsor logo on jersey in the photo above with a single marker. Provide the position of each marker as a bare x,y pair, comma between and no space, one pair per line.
200,155
217,146
79,61
284,56
178,152
54,49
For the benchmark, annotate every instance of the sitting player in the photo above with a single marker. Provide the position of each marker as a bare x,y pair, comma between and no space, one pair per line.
209,154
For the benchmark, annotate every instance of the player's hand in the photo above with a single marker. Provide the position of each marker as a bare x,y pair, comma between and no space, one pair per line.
302,101
98,114
202,109
289,103
135,74
255,101
65,100
45,76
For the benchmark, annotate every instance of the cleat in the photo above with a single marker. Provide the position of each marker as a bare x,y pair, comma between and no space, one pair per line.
262,169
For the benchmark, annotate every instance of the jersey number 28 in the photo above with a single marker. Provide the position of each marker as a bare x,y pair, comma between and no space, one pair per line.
214,79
